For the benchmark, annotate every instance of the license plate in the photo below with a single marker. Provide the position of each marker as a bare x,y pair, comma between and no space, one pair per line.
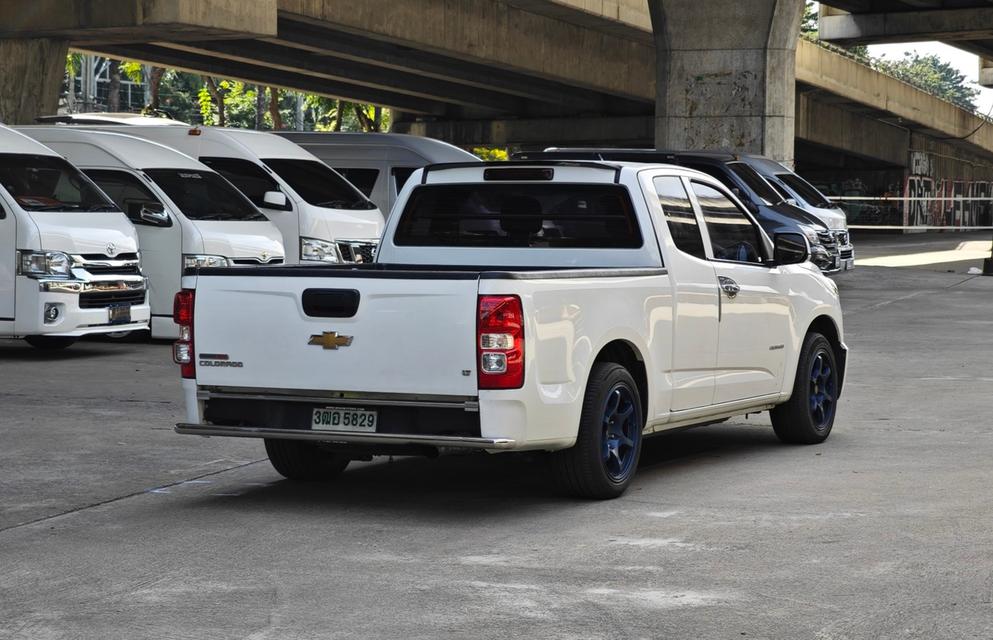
344,419
119,314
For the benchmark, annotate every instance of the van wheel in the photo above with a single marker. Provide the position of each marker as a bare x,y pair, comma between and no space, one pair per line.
605,457
809,414
50,343
304,461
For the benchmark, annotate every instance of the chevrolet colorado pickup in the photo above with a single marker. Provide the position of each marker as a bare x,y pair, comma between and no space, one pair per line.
558,306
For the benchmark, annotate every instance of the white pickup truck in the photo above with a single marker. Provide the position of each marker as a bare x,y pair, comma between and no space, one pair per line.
567,307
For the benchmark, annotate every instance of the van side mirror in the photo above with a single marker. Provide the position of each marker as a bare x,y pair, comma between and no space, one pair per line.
150,213
790,248
275,200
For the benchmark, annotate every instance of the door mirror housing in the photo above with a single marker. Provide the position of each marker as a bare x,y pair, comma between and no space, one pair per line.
790,248
276,200
150,213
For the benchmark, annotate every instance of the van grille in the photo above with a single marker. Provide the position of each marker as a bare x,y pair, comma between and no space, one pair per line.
97,264
98,299
364,252
255,261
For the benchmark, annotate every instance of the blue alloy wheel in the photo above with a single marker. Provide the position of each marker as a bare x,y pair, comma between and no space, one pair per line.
621,433
823,394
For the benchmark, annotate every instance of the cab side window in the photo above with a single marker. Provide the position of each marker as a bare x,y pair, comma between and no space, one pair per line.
679,216
733,237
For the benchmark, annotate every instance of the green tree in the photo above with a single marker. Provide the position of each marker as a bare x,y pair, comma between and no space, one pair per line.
808,24
932,74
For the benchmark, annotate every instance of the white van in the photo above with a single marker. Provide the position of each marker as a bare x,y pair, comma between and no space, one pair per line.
377,163
186,214
322,217
69,263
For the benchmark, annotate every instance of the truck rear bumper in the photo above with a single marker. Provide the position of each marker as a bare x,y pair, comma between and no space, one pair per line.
459,442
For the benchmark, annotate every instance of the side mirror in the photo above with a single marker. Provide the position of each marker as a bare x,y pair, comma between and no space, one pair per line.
790,248
150,213
275,200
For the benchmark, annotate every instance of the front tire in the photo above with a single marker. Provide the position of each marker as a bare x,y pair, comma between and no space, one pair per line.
304,461
808,416
50,343
605,457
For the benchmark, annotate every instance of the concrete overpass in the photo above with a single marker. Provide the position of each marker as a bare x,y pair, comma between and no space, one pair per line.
529,72
967,24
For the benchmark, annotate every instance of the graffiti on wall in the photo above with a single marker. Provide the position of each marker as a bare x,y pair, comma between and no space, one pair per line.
932,200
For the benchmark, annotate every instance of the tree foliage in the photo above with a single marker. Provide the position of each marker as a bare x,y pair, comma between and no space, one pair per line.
933,75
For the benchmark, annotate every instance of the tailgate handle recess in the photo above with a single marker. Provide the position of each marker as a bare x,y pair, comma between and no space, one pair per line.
330,303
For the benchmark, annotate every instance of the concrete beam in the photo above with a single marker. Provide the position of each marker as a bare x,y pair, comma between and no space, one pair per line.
496,34
907,26
353,72
633,131
261,74
135,20
834,126
425,64
985,72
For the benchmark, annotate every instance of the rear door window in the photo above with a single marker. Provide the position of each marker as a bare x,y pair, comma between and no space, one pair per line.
400,176
519,215
733,237
679,216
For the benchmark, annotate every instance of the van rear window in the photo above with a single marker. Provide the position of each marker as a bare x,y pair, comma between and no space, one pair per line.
519,215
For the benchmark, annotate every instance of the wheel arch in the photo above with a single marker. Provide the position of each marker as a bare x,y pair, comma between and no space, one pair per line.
825,325
625,353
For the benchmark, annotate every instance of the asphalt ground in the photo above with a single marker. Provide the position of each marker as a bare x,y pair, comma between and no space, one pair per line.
112,526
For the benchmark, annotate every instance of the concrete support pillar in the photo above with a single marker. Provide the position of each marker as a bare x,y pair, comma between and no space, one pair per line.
726,74
31,73
986,72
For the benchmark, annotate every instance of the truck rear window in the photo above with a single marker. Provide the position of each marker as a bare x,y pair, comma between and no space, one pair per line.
519,215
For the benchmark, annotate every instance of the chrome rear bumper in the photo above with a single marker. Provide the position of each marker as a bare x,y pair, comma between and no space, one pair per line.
455,442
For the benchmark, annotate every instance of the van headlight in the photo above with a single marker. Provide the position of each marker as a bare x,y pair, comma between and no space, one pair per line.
811,234
314,250
199,261
44,264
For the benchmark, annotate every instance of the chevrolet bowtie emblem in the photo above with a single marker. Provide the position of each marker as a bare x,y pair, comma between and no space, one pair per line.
330,340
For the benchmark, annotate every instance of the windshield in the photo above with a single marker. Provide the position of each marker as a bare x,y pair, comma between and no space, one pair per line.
49,183
755,182
248,177
204,195
519,215
805,190
318,184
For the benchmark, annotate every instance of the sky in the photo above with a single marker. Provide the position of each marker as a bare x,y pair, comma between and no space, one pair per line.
966,63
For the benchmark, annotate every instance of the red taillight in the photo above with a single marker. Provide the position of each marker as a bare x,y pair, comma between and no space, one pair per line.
182,349
500,342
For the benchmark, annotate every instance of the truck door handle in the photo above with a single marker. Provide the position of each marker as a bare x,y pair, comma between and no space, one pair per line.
729,286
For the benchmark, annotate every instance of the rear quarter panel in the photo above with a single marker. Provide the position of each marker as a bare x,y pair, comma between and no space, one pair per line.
567,324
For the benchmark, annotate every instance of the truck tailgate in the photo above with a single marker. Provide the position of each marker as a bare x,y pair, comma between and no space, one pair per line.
406,335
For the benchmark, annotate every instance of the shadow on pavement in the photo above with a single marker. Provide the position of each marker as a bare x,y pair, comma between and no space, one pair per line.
481,485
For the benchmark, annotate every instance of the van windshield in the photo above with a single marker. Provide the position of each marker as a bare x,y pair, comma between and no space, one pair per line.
204,195
805,190
318,184
49,183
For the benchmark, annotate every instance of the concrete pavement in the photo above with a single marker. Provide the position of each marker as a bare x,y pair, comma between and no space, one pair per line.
113,527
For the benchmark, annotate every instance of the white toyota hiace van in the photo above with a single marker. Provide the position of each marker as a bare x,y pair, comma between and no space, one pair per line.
186,215
322,217
69,263
377,163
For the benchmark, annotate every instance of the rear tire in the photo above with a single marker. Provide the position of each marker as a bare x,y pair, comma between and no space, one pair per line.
304,461
605,457
808,416
50,343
